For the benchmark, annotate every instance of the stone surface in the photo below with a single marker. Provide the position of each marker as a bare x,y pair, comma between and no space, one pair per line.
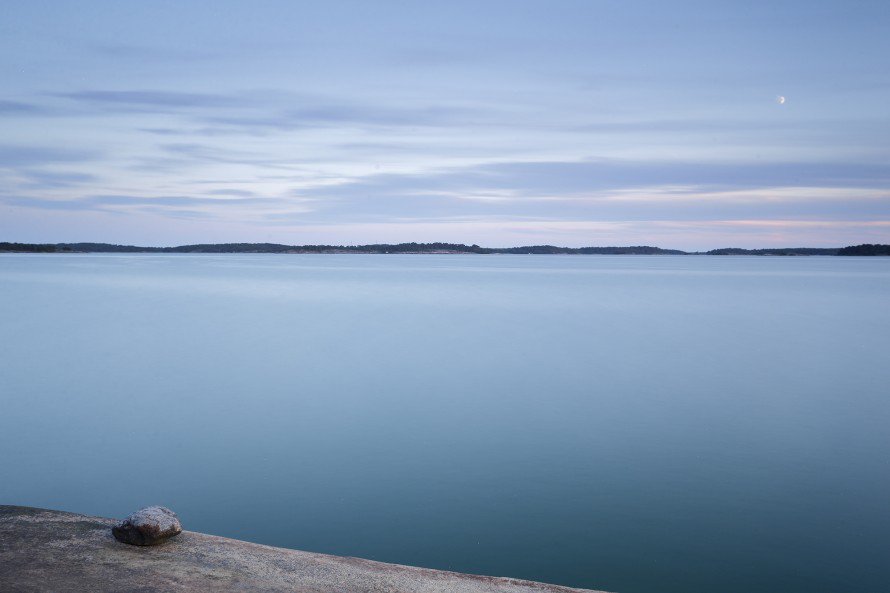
148,527
50,551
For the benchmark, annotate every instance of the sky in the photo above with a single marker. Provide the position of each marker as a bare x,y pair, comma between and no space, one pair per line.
681,124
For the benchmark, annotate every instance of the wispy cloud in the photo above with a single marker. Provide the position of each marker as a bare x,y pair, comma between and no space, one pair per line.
209,153
253,111
152,99
29,155
336,115
243,193
570,180
45,179
18,108
158,52
610,191
160,203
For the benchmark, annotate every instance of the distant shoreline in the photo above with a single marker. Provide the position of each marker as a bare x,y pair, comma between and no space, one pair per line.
866,249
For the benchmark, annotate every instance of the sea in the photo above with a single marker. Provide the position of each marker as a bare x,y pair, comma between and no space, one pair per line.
636,424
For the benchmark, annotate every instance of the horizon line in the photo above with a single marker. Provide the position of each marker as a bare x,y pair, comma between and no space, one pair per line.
430,248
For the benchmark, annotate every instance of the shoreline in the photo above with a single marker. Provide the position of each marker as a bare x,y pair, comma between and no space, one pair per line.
865,249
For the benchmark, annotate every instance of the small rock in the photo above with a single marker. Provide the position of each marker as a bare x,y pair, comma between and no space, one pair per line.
148,527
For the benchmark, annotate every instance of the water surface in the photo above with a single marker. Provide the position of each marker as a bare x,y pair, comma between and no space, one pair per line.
636,424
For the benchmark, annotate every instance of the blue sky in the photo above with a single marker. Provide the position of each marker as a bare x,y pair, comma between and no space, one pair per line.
497,123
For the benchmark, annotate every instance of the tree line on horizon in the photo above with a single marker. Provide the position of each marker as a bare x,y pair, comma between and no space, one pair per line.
867,249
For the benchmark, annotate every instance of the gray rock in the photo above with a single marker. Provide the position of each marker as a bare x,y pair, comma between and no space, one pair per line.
148,527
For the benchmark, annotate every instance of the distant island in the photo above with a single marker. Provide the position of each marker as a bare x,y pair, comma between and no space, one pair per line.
428,248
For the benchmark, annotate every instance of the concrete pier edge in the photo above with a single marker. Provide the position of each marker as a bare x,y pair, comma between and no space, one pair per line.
47,551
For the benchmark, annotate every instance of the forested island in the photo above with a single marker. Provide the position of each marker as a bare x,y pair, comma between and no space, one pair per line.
429,248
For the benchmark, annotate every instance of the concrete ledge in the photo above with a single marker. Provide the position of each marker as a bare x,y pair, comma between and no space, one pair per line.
49,551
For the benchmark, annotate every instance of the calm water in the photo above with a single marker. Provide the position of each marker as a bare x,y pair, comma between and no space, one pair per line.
635,424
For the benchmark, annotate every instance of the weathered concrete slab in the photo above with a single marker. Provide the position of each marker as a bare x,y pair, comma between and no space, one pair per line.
50,551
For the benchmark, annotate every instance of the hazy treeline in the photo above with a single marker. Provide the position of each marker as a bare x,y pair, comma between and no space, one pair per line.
864,249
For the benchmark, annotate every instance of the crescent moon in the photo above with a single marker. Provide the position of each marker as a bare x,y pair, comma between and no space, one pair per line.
780,100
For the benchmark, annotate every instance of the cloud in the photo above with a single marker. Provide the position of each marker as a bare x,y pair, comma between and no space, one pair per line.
581,176
163,131
39,203
142,53
25,156
163,203
127,200
604,189
611,190
17,108
270,110
333,114
43,179
231,192
583,179
153,100
186,152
